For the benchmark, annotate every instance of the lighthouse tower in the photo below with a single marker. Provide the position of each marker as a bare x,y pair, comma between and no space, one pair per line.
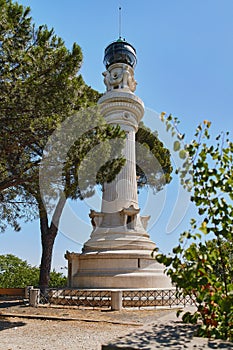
118,253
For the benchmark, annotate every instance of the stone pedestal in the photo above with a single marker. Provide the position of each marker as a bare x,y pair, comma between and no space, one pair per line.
118,269
116,300
34,297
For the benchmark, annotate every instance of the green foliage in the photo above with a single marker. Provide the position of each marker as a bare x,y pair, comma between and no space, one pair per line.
153,160
204,270
40,94
94,158
17,273
57,279
39,89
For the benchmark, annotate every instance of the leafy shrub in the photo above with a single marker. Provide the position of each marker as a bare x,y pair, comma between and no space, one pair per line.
17,273
201,266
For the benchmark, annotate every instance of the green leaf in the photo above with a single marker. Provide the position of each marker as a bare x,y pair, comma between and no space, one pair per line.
182,154
203,228
177,249
176,146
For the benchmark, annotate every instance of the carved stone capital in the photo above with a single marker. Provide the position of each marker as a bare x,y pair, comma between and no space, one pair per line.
121,107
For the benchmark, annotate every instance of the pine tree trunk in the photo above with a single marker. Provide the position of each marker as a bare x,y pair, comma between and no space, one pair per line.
47,240
48,235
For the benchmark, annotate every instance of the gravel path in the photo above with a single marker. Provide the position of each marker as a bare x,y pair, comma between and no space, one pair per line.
27,334
172,335
88,329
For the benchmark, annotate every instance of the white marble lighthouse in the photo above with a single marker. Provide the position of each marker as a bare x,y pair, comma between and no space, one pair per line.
118,253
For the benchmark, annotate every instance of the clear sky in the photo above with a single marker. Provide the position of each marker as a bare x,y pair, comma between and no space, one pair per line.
185,58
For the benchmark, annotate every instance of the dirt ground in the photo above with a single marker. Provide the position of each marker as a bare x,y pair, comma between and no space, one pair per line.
49,328
65,328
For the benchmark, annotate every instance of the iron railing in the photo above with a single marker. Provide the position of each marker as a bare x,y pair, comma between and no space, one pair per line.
77,297
155,297
102,298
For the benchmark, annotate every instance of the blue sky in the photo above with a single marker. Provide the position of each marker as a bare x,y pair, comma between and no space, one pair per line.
185,55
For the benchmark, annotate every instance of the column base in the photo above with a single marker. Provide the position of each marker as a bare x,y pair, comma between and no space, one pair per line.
118,269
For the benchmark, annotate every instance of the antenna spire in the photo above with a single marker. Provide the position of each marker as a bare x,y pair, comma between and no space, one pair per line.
119,22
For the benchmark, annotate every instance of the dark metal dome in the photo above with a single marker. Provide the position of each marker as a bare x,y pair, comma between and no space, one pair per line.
120,52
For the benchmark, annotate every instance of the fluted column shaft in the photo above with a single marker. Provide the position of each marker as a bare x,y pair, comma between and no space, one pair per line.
122,192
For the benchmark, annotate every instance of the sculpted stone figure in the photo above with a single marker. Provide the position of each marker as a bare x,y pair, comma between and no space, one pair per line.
119,76
106,75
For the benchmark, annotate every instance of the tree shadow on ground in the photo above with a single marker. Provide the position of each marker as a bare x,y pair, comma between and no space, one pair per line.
169,336
6,324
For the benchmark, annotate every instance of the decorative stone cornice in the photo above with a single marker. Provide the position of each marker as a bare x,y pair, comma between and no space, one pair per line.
120,95
122,108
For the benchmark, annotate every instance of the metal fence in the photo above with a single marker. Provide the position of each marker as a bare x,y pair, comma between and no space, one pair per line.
102,298
77,297
156,297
